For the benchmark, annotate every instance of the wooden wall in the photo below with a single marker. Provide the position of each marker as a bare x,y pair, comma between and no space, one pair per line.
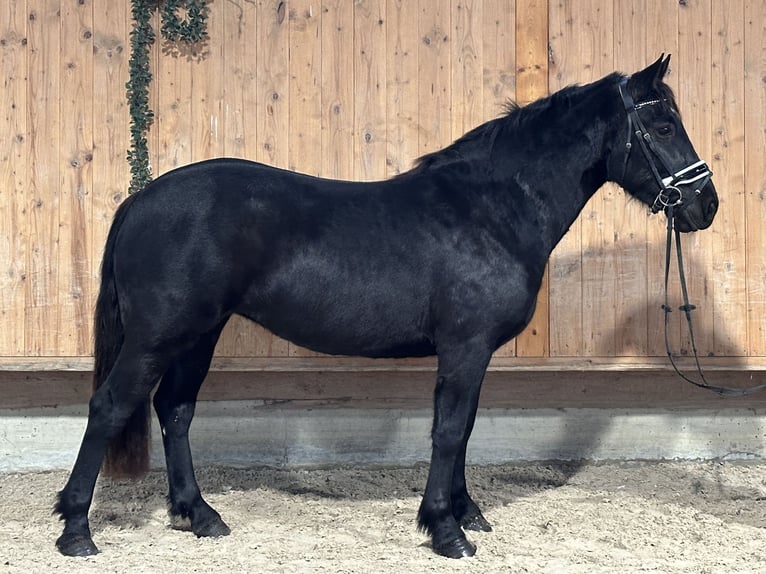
359,89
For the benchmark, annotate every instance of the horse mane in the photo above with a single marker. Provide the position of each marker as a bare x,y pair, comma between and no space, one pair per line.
516,119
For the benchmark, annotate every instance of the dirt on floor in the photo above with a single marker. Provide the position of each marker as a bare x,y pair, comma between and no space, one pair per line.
705,517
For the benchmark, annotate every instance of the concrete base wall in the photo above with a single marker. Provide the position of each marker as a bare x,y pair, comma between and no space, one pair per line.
251,433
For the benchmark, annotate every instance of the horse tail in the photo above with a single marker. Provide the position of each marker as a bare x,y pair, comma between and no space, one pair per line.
127,454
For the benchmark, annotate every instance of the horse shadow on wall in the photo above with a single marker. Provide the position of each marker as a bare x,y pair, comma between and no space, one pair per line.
590,411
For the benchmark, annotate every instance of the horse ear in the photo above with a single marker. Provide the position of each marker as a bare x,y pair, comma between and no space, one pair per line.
643,83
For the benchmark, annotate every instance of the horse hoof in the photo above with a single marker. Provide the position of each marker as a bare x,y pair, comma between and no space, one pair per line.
477,523
213,529
457,548
76,545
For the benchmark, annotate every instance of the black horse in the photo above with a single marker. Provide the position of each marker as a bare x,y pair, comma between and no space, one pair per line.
445,259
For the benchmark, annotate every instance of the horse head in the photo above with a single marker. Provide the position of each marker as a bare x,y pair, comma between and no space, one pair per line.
658,163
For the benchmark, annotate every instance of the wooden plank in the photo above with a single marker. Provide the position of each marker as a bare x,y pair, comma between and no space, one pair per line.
755,172
565,266
631,298
434,97
369,73
173,119
14,149
44,122
76,277
501,46
595,33
111,132
402,102
499,51
728,164
323,363
305,123
208,79
406,390
467,82
272,112
531,85
240,337
661,37
695,94
337,90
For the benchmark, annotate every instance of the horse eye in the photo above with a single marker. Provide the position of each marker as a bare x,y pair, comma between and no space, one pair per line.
665,129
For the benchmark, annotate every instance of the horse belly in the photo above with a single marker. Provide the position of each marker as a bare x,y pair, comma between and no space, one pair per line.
342,316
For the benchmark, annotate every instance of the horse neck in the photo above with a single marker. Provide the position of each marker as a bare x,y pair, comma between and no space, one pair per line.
552,168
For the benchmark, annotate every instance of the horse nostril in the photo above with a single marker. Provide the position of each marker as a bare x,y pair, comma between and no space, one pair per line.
712,208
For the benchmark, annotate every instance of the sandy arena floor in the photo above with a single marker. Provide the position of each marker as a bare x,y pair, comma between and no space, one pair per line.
621,517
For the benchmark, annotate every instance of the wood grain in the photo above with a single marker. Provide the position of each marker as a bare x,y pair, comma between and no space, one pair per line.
359,90
14,151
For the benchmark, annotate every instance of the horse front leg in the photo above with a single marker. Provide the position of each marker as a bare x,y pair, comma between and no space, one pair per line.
456,400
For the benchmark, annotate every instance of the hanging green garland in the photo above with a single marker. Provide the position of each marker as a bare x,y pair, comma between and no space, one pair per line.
190,30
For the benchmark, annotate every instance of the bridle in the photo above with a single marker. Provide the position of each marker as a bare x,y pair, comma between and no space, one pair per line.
671,195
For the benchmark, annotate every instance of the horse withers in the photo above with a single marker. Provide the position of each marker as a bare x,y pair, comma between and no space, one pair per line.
445,259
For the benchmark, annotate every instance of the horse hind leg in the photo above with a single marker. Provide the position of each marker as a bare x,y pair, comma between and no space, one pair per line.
129,383
174,403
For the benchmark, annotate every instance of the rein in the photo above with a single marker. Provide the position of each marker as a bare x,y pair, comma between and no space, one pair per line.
687,309
668,198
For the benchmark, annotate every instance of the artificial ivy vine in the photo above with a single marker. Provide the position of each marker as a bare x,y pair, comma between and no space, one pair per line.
191,29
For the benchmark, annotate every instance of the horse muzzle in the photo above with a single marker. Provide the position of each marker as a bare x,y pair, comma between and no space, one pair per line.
698,212
689,196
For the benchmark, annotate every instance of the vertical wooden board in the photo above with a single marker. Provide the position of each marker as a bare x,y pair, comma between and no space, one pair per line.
75,156
694,94
594,24
172,127
272,112
337,90
565,266
500,48
207,86
273,98
240,335
531,85
111,125
630,233
305,123
755,171
13,175
434,97
499,23
233,41
661,38
44,122
467,83
369,70
727,161
402,75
